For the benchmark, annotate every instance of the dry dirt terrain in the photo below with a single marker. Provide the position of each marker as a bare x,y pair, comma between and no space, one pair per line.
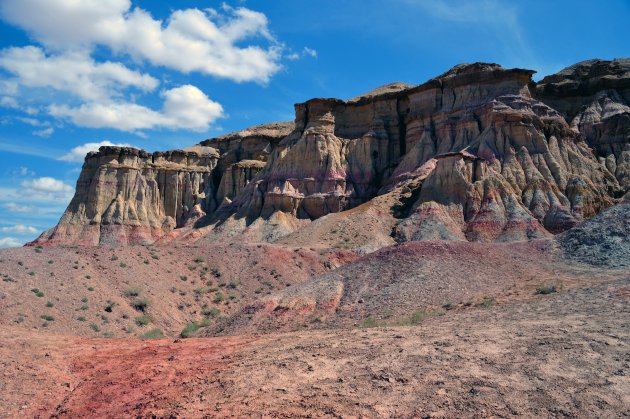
559,355
459,248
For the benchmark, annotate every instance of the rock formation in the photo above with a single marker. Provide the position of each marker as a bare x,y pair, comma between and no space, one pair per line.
479,153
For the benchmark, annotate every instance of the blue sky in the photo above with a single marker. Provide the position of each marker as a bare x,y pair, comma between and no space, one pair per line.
164,75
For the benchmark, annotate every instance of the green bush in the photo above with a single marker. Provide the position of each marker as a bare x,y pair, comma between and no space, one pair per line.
132,292
37,292
152,334
95,327
189,330
143,320
47,317
486,302
417,317
219,297
210,311
546,289
50,304
81,319
369,322
198,259
140,304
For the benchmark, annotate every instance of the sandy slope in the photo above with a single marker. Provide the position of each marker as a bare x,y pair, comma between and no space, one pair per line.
558,355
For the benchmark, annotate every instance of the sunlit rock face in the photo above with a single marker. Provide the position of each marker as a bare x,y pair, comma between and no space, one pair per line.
594,97
487,154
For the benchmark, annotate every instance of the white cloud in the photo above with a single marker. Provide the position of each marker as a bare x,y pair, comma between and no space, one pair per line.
19,229
185,107
25,171
73,72
77,154
47,184
44,133
13,207
32,121
46,189
311,52
10,242
8,102
190,40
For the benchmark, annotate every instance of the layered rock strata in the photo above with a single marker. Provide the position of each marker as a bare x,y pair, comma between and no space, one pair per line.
485,153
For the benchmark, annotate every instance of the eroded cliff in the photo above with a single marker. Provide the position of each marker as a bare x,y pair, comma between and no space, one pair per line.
479,153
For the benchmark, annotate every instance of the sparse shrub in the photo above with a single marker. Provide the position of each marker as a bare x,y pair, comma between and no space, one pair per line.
210,311
132,292
81,318
417,317
486,302
88,277
152,334
110,306
37,292
216,272
233,284
140,304
183,278
143,320
219,297
546,289
84,300
47,317
146,261
198,259
50,304
189,330
39,249
50,262
95,327
84,307
201,291
114,257
447,306
369,322
90,288
31,273
123,265
156,257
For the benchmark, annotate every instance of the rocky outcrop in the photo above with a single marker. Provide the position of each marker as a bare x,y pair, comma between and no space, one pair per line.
603,240
479,153
527,168
125,195
594,97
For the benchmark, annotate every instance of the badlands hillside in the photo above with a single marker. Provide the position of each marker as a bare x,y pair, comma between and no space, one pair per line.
458,248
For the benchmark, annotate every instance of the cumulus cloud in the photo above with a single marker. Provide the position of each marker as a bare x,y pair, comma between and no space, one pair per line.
310,52
10,242
185,107
44,133
77,154
16,208
46,189
8,102
72,72
19,229
208,41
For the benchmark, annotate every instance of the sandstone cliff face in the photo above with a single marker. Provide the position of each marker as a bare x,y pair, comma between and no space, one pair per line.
594,97
480,153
